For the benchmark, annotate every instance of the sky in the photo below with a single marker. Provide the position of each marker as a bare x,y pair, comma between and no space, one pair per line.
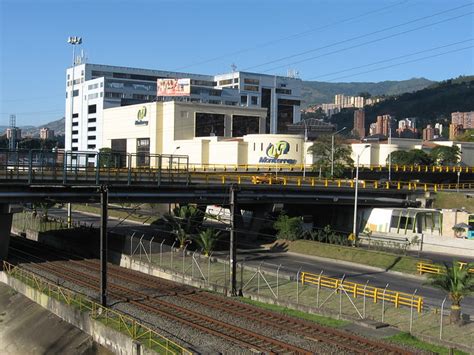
334,41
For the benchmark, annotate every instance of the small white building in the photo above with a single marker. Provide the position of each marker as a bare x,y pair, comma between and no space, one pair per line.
377,153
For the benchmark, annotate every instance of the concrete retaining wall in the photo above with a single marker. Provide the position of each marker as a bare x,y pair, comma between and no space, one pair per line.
109,338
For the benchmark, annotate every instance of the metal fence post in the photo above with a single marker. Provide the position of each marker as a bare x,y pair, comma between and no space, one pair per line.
297,285
278,271
184,259
319,287
161,251
172,247
141,246
209,269
441,319
383,301
193,260
365,293
131,248
411,309
340,295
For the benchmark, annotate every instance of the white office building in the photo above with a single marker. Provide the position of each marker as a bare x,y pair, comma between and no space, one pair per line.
91,88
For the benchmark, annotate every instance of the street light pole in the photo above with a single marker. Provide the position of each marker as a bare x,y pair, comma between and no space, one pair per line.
304,148
390,149
332,150
354,226
74,41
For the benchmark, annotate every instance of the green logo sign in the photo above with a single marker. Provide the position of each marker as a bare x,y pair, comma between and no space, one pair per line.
275,150
141,114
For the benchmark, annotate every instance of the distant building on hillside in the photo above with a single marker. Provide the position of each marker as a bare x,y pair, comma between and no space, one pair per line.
382,126
407,128
46,133
13,132
428,133
465,119
359,123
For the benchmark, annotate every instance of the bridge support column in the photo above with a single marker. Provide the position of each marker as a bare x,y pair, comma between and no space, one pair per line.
5,229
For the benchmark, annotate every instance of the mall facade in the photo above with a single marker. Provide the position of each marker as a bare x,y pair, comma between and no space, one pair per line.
206,133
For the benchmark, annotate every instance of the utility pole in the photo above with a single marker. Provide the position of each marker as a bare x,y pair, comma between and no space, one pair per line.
233,247
103,244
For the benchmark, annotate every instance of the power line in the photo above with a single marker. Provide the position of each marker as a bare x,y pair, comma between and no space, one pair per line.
358,37
409,61
293,36
390,59
370,42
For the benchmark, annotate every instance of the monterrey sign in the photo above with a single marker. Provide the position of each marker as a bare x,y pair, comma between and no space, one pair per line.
274,151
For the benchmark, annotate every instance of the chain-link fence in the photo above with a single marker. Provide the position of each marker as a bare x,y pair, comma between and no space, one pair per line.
282,284
30,221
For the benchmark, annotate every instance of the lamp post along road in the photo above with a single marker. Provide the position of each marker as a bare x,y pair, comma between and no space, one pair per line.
390,149
332,150
354,226
304,147
74,41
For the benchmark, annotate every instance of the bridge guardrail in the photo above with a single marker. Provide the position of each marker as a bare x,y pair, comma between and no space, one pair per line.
123,323
375,293
424,268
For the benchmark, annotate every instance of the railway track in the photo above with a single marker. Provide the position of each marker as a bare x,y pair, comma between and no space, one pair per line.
235,334
305,329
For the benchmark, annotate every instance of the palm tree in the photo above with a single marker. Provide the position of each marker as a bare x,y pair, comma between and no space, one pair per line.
458,283
207,240
184,222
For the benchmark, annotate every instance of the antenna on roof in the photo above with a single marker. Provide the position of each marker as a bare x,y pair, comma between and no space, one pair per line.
233,67
292,73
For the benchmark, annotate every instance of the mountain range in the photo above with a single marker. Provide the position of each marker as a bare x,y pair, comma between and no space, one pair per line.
318,92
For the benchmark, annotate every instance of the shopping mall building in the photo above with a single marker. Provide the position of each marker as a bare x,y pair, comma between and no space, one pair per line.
207,133
91,89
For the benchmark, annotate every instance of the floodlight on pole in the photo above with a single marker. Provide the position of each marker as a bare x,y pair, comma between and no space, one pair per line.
332,150
354,226
74,41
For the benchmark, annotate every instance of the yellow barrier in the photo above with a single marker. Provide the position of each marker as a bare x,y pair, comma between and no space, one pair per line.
377,294
123,323
424,268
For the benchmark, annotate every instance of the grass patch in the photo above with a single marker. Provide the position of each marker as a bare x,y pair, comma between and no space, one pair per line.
326,321
453,200
384,260
410,340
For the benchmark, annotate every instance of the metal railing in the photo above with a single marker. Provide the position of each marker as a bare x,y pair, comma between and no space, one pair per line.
424,268
355,289
110,317
92,167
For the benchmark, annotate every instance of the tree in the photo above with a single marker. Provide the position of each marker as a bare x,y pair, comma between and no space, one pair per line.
44,206
442,155
364,94
185,222
412,157
207,240
458,282
108,158
321,150
289,228
467,136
